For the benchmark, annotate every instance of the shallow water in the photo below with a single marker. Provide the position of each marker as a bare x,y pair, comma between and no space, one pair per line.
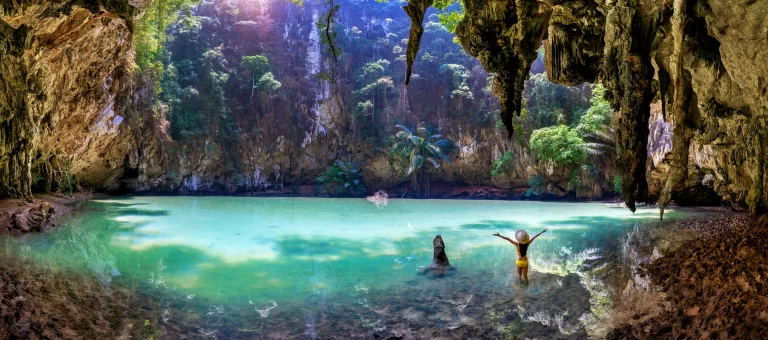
298,266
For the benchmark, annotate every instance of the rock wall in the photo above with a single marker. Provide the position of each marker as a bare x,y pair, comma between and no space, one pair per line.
65,70
64,73
704,60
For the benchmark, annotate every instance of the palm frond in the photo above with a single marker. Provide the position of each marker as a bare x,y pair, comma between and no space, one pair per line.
405,129
416,162
416,140
434,162
422,131
402,135
603,136
445,145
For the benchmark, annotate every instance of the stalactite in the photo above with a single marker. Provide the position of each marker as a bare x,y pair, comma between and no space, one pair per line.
758,138
681,85
416,9
16,127
505,36
628,75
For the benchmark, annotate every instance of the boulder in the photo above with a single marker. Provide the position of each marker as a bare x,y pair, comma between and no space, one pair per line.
440,265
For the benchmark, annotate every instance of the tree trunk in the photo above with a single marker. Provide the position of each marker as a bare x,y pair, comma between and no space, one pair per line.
253,87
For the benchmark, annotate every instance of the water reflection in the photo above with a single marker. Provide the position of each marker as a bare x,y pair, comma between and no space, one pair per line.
338,268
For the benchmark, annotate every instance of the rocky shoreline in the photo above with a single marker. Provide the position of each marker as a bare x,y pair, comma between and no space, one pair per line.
19,215
48,304
708,282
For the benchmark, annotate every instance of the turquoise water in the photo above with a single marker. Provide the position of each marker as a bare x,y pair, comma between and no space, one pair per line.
296,255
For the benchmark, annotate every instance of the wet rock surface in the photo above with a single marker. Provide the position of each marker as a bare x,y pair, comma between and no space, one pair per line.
44,303
440,265
713,286
64,68
36,214
31,217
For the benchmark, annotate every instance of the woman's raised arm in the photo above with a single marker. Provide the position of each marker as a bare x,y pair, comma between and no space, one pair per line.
506,238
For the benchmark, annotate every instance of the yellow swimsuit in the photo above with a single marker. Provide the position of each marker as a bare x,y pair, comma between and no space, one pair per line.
524,248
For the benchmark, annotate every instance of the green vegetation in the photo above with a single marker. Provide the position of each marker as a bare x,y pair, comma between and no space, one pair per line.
537,185
559,144
502,165
414,150
553,104
325,27
596,125
257,66
268,84
65,182
150,37
342,178
585,147
233,76
449,15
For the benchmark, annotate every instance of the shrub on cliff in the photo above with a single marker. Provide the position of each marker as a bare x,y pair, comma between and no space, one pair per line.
501,165
342,178
559,144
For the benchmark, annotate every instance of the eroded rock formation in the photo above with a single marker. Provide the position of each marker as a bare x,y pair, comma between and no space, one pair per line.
66,90
64,75
29,217
703,59
504,36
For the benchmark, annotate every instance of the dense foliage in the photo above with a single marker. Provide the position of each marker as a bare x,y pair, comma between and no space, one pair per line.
257,83
417,149
150,36
553,104
342,178
502,164
587,146
559,144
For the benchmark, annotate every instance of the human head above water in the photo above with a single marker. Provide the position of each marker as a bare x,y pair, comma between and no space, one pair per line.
522,236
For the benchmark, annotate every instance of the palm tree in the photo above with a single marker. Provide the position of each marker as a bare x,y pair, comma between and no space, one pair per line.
416,149
601,142
596,126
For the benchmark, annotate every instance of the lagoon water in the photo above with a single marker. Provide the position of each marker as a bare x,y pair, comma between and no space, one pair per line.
291,265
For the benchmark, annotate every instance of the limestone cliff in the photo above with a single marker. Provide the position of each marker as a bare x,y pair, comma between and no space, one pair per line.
703,59
64,75
69,109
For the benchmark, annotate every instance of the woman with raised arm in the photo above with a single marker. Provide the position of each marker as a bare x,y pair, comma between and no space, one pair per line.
522,245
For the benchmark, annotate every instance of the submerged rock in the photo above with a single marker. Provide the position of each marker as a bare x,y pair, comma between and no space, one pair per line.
440,265
30,217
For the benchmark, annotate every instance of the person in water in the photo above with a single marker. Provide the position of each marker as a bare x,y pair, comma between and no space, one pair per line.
522,245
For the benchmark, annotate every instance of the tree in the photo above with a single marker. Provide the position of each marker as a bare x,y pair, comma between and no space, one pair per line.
149,37
559,144
595,126
371,71
416,149
268,84
550,104
257,65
